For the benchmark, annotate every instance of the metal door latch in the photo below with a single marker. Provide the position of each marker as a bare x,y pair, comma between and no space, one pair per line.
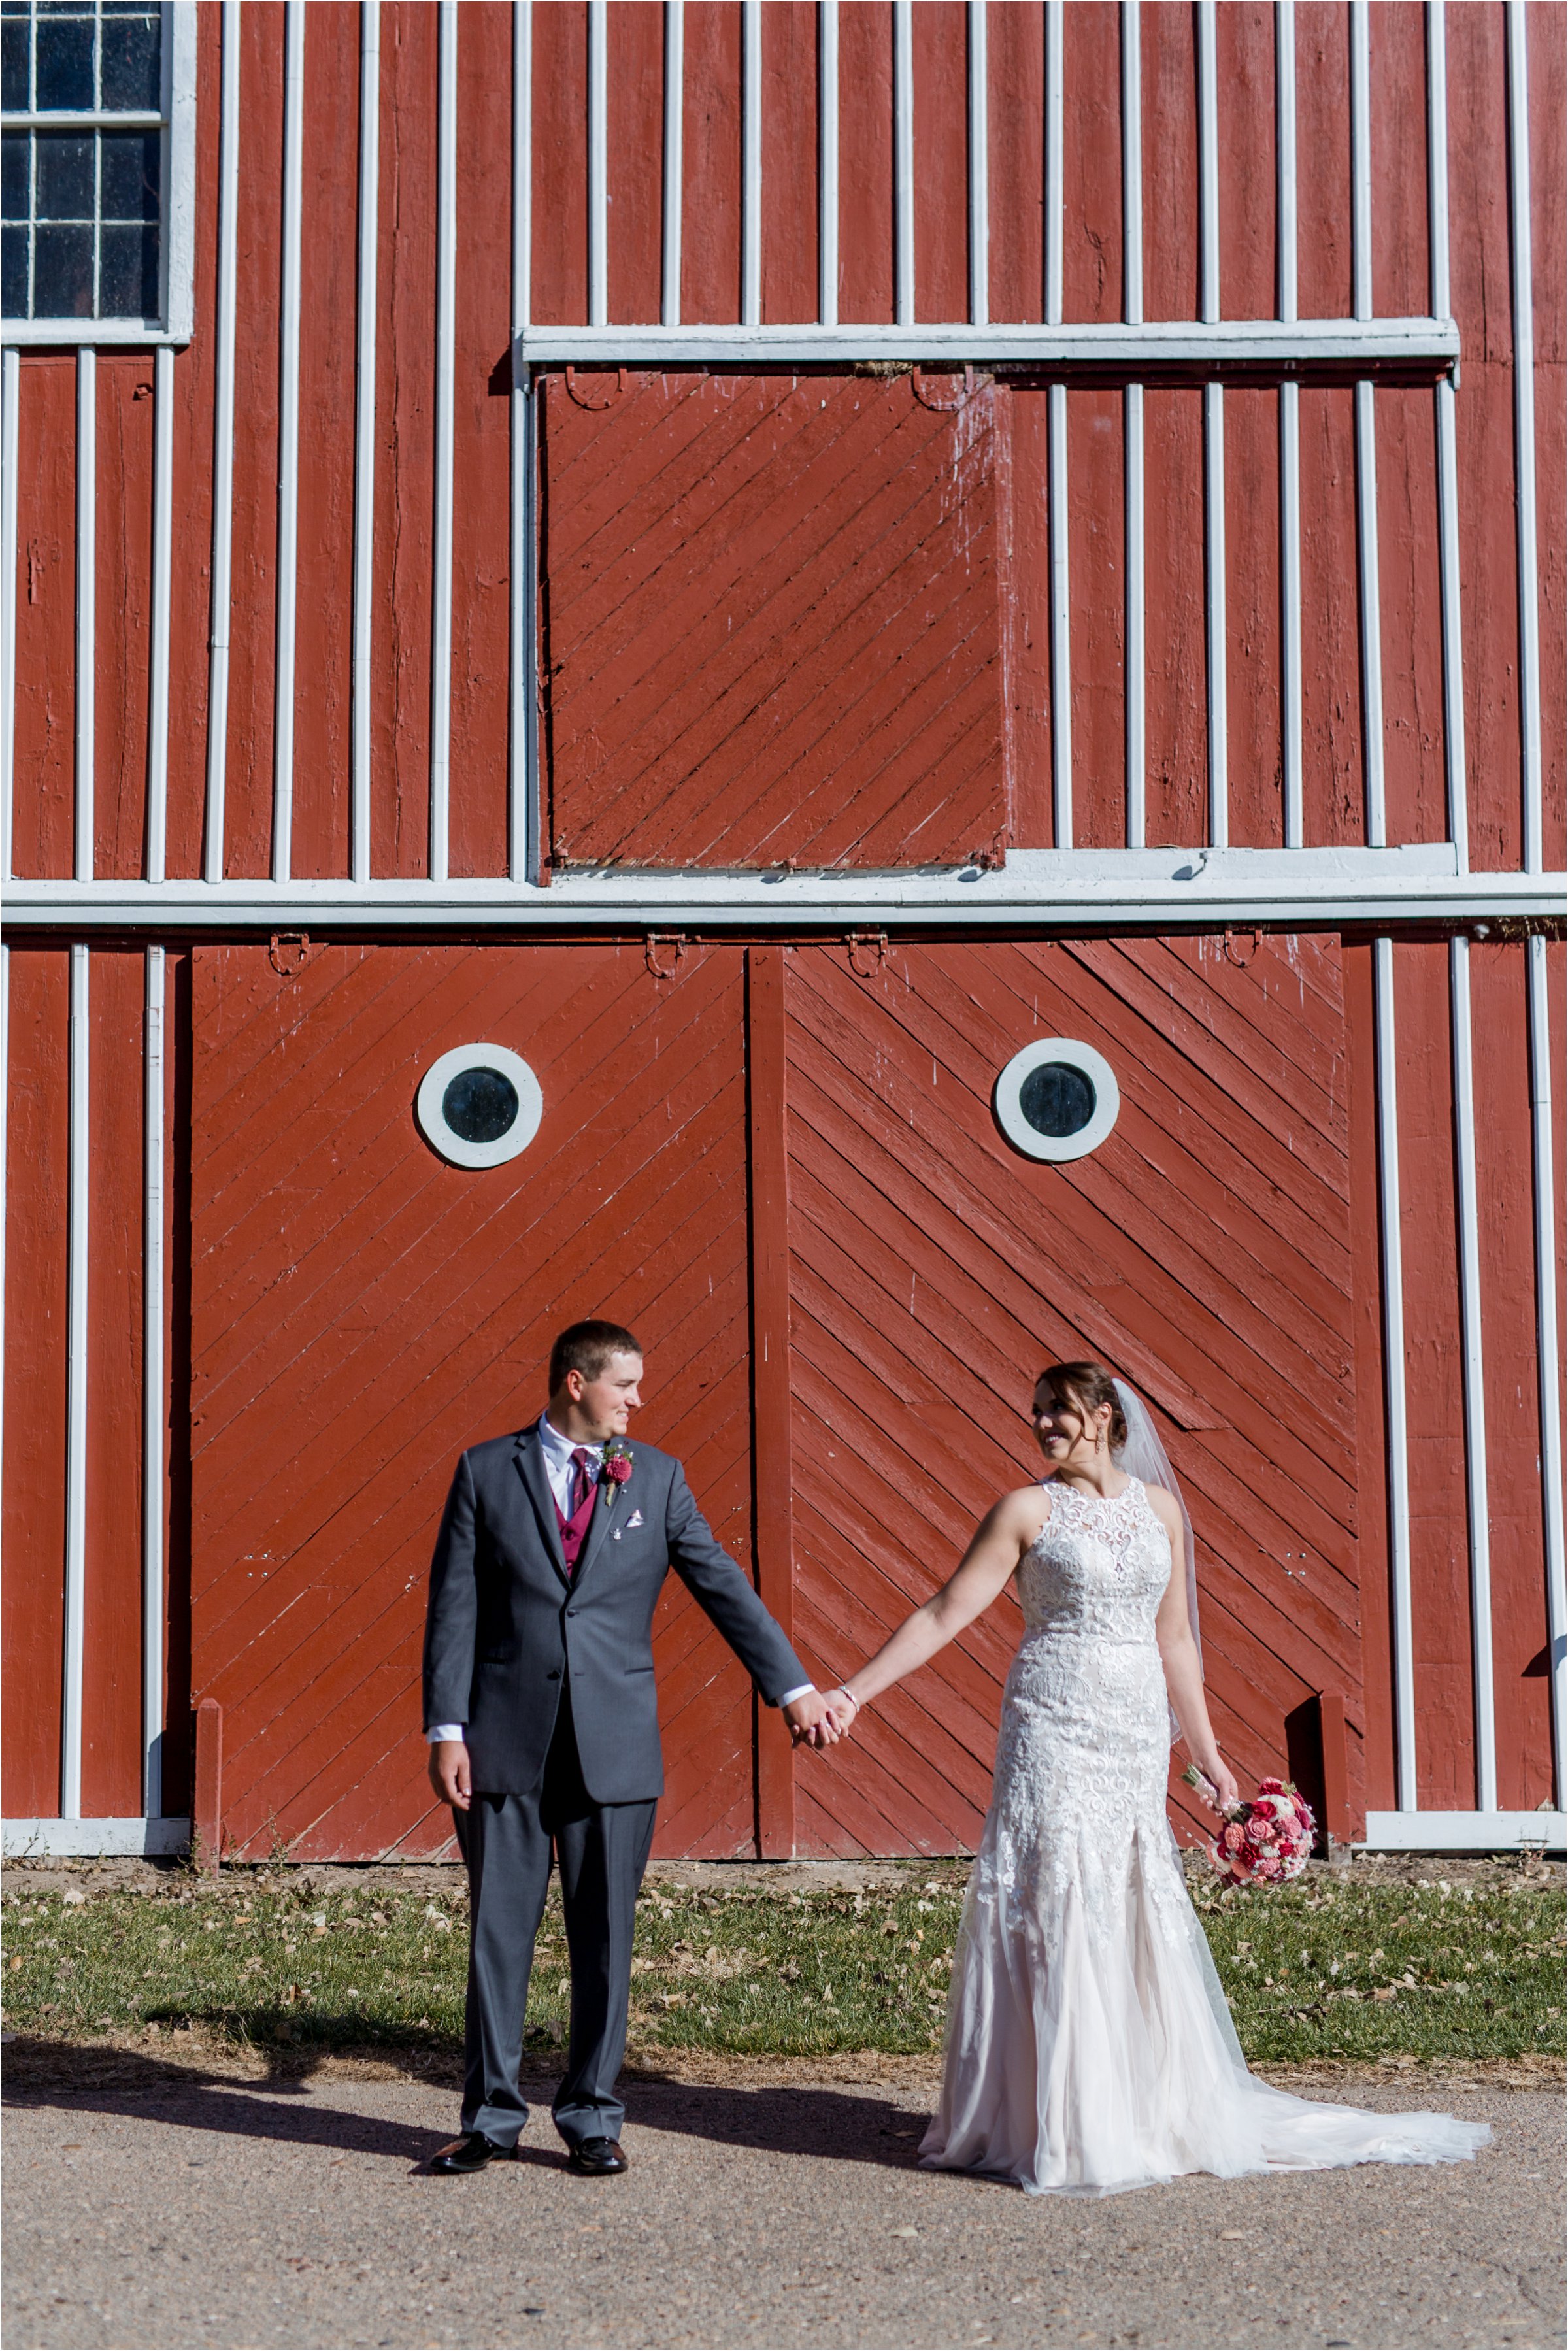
288,952
868,953
652,945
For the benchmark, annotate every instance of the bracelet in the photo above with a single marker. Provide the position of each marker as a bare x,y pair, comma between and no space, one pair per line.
843,1691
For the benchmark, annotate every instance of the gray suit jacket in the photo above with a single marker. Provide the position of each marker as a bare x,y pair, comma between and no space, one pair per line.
504,1624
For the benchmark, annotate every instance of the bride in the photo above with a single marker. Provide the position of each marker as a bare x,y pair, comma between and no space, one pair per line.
1088,2047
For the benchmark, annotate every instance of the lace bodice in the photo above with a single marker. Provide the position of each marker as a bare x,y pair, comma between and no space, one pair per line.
1097,1568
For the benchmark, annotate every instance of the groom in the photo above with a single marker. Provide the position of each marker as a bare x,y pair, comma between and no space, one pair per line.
543,1724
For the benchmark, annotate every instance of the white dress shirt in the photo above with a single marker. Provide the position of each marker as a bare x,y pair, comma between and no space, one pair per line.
560,1471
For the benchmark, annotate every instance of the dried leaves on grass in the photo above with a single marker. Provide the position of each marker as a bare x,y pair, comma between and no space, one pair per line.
1319,1972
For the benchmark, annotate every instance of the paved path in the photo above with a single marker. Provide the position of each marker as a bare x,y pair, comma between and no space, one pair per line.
163,2210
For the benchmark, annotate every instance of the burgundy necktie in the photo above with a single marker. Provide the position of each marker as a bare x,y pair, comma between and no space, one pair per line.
584,1476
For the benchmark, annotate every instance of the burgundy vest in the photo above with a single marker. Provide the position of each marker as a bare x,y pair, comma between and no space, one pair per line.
574,1531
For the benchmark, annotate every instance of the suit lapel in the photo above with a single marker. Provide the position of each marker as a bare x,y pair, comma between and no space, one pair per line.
598,1527
531,1460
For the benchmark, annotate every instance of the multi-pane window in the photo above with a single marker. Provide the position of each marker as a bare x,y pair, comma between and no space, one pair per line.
85,159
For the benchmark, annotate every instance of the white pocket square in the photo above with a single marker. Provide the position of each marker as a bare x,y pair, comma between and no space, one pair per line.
635,1521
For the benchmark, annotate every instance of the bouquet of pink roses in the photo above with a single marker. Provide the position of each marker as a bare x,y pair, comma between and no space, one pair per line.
1265,1840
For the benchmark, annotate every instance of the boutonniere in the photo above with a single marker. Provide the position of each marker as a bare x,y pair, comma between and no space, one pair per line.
617,1466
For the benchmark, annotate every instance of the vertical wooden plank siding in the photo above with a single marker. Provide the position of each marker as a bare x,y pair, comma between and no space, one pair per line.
45,753
772,1373
111,1651
32,1596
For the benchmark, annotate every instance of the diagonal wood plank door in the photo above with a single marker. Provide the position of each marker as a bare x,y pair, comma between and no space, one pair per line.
1202,1251
362,1311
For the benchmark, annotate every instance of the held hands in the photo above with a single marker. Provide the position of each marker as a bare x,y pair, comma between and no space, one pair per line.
809,1720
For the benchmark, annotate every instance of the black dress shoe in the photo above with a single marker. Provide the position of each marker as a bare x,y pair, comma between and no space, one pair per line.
596,2159
472,2152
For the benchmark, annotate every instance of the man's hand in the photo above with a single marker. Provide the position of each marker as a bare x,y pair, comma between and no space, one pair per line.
809,1720
449,1774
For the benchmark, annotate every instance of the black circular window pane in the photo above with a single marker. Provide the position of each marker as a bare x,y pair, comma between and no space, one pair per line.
480,1105
1057,1099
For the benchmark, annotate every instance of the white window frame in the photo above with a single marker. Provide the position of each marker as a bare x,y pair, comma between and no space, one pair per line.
431,1116
177,120
1056,1149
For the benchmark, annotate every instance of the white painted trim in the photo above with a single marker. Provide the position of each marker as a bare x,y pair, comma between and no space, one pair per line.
1410,1832
1292,765
1468,1223
78,1203
598,164
903,166
365,431
1448,451
751,162
827,163
674,149
1215,646
1208,303
1524,427
521,864
1267,345
1291,748
10,406
430,1113
221,612
87,607
1285,155
446,403
95,1840
1548,1396
1061,622
163,592
1054,88
1397,1438
979,168
1006,1100
1132,163
1136,655
294,18
178,265
1369,617
1360,160
154,1405
1134,664
1201,889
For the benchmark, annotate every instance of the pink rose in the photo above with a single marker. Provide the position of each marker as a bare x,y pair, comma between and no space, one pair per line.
1269,1868
1271,1787
1234,1836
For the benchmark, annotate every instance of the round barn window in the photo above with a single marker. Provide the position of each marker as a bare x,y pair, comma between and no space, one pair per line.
479,1105
1057,1099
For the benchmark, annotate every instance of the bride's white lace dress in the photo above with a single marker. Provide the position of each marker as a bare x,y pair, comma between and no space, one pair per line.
1088,2044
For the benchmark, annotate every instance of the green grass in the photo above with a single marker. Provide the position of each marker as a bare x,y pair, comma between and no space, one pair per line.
1314,1970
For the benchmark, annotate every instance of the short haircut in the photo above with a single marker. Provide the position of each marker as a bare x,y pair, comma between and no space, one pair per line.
587,1347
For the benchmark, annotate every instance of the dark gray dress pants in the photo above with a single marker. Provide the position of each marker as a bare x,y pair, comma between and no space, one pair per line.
601,1851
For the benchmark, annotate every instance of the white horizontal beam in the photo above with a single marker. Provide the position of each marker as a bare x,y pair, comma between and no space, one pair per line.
1461,1832
94,1840
1202,888
1281,345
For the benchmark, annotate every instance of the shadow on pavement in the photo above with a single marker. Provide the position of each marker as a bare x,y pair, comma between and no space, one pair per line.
832,2125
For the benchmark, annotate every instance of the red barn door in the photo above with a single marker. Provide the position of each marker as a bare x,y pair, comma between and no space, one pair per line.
1203,1250
363,1311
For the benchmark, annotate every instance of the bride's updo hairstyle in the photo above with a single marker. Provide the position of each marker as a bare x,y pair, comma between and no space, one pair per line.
1084,1387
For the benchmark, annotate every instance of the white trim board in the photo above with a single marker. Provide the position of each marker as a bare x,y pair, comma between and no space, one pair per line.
1463,1832
94,1840
1300,889
1284,346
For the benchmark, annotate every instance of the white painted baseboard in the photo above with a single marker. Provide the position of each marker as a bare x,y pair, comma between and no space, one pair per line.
88,1840
1462,1831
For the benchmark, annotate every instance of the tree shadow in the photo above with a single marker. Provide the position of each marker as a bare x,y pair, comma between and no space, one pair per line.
832,2125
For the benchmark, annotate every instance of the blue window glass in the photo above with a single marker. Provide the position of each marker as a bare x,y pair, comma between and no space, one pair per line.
85,198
